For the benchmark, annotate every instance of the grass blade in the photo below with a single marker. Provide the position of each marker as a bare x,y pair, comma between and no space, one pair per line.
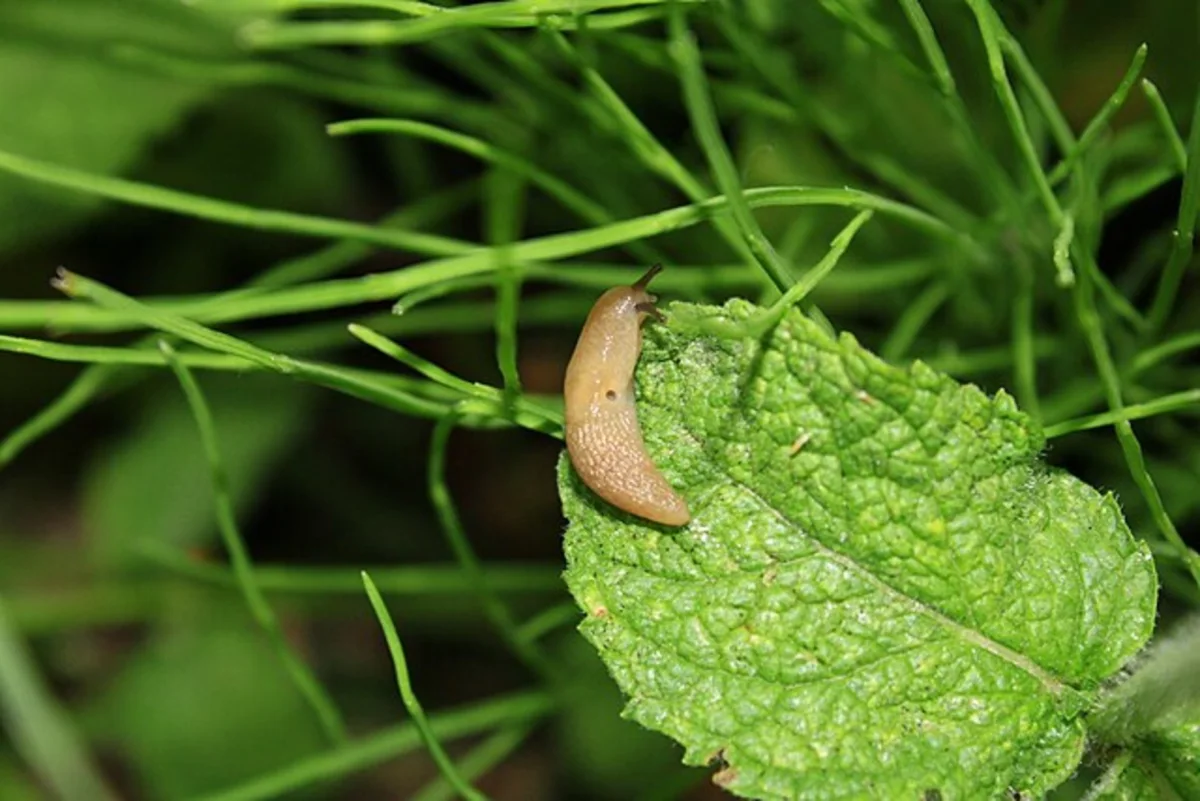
495,609
413,580
428,736
708,132
1134,411
40,730
1184,235
588,210
301,675
390,285
382,746
1163,116
1094,128
205,208
479,761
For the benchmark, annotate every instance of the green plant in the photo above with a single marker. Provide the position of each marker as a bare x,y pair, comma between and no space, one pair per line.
885,593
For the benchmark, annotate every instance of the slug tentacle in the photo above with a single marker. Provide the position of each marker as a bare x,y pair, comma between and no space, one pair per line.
603,436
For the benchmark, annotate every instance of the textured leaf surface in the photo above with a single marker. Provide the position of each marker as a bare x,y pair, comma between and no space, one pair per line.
882,593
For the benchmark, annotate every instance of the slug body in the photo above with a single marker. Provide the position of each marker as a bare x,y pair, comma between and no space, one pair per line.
604,439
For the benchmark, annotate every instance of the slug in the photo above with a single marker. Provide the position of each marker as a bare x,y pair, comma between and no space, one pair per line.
604,439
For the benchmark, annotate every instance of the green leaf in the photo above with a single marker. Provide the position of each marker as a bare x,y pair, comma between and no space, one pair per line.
104,111
203,705
882,592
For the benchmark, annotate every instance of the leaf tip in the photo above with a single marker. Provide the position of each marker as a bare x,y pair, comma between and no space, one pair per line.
65,282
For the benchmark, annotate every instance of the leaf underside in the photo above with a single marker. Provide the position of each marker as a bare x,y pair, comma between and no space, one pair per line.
882,593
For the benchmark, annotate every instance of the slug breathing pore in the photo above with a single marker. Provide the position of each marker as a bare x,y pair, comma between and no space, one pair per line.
603,436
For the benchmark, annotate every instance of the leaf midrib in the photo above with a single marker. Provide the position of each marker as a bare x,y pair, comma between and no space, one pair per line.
1052,683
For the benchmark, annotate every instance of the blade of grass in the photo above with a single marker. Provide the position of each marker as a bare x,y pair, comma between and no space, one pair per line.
707,130
80,392
479,761
994,180
1024,360
41,731
388,744
914,318
807,108
1099,122
389,285
994,35
606,108
504,213
495,609
1134,411
1185,227
360,91
770,317
322,263
342,380
514,14
588,210
301,675
1165,350
1163,116
161,198
428,736
523,411
415,580
548,620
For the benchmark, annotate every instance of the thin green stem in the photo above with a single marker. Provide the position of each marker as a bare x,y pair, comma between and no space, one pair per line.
1165,350
415,580
993,36
389,285
428,736
708,132
485,756
588,210
811,279
1184,234
495,609
914,318
1130,447
504,213
607,108
495,402
1134,411
301,675
504,711
41,730
1098,123
322,263
548,620
512,14
1024,360
78,394
157,197
992,173
1163,116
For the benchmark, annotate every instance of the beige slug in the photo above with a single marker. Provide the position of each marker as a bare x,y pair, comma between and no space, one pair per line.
603,435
